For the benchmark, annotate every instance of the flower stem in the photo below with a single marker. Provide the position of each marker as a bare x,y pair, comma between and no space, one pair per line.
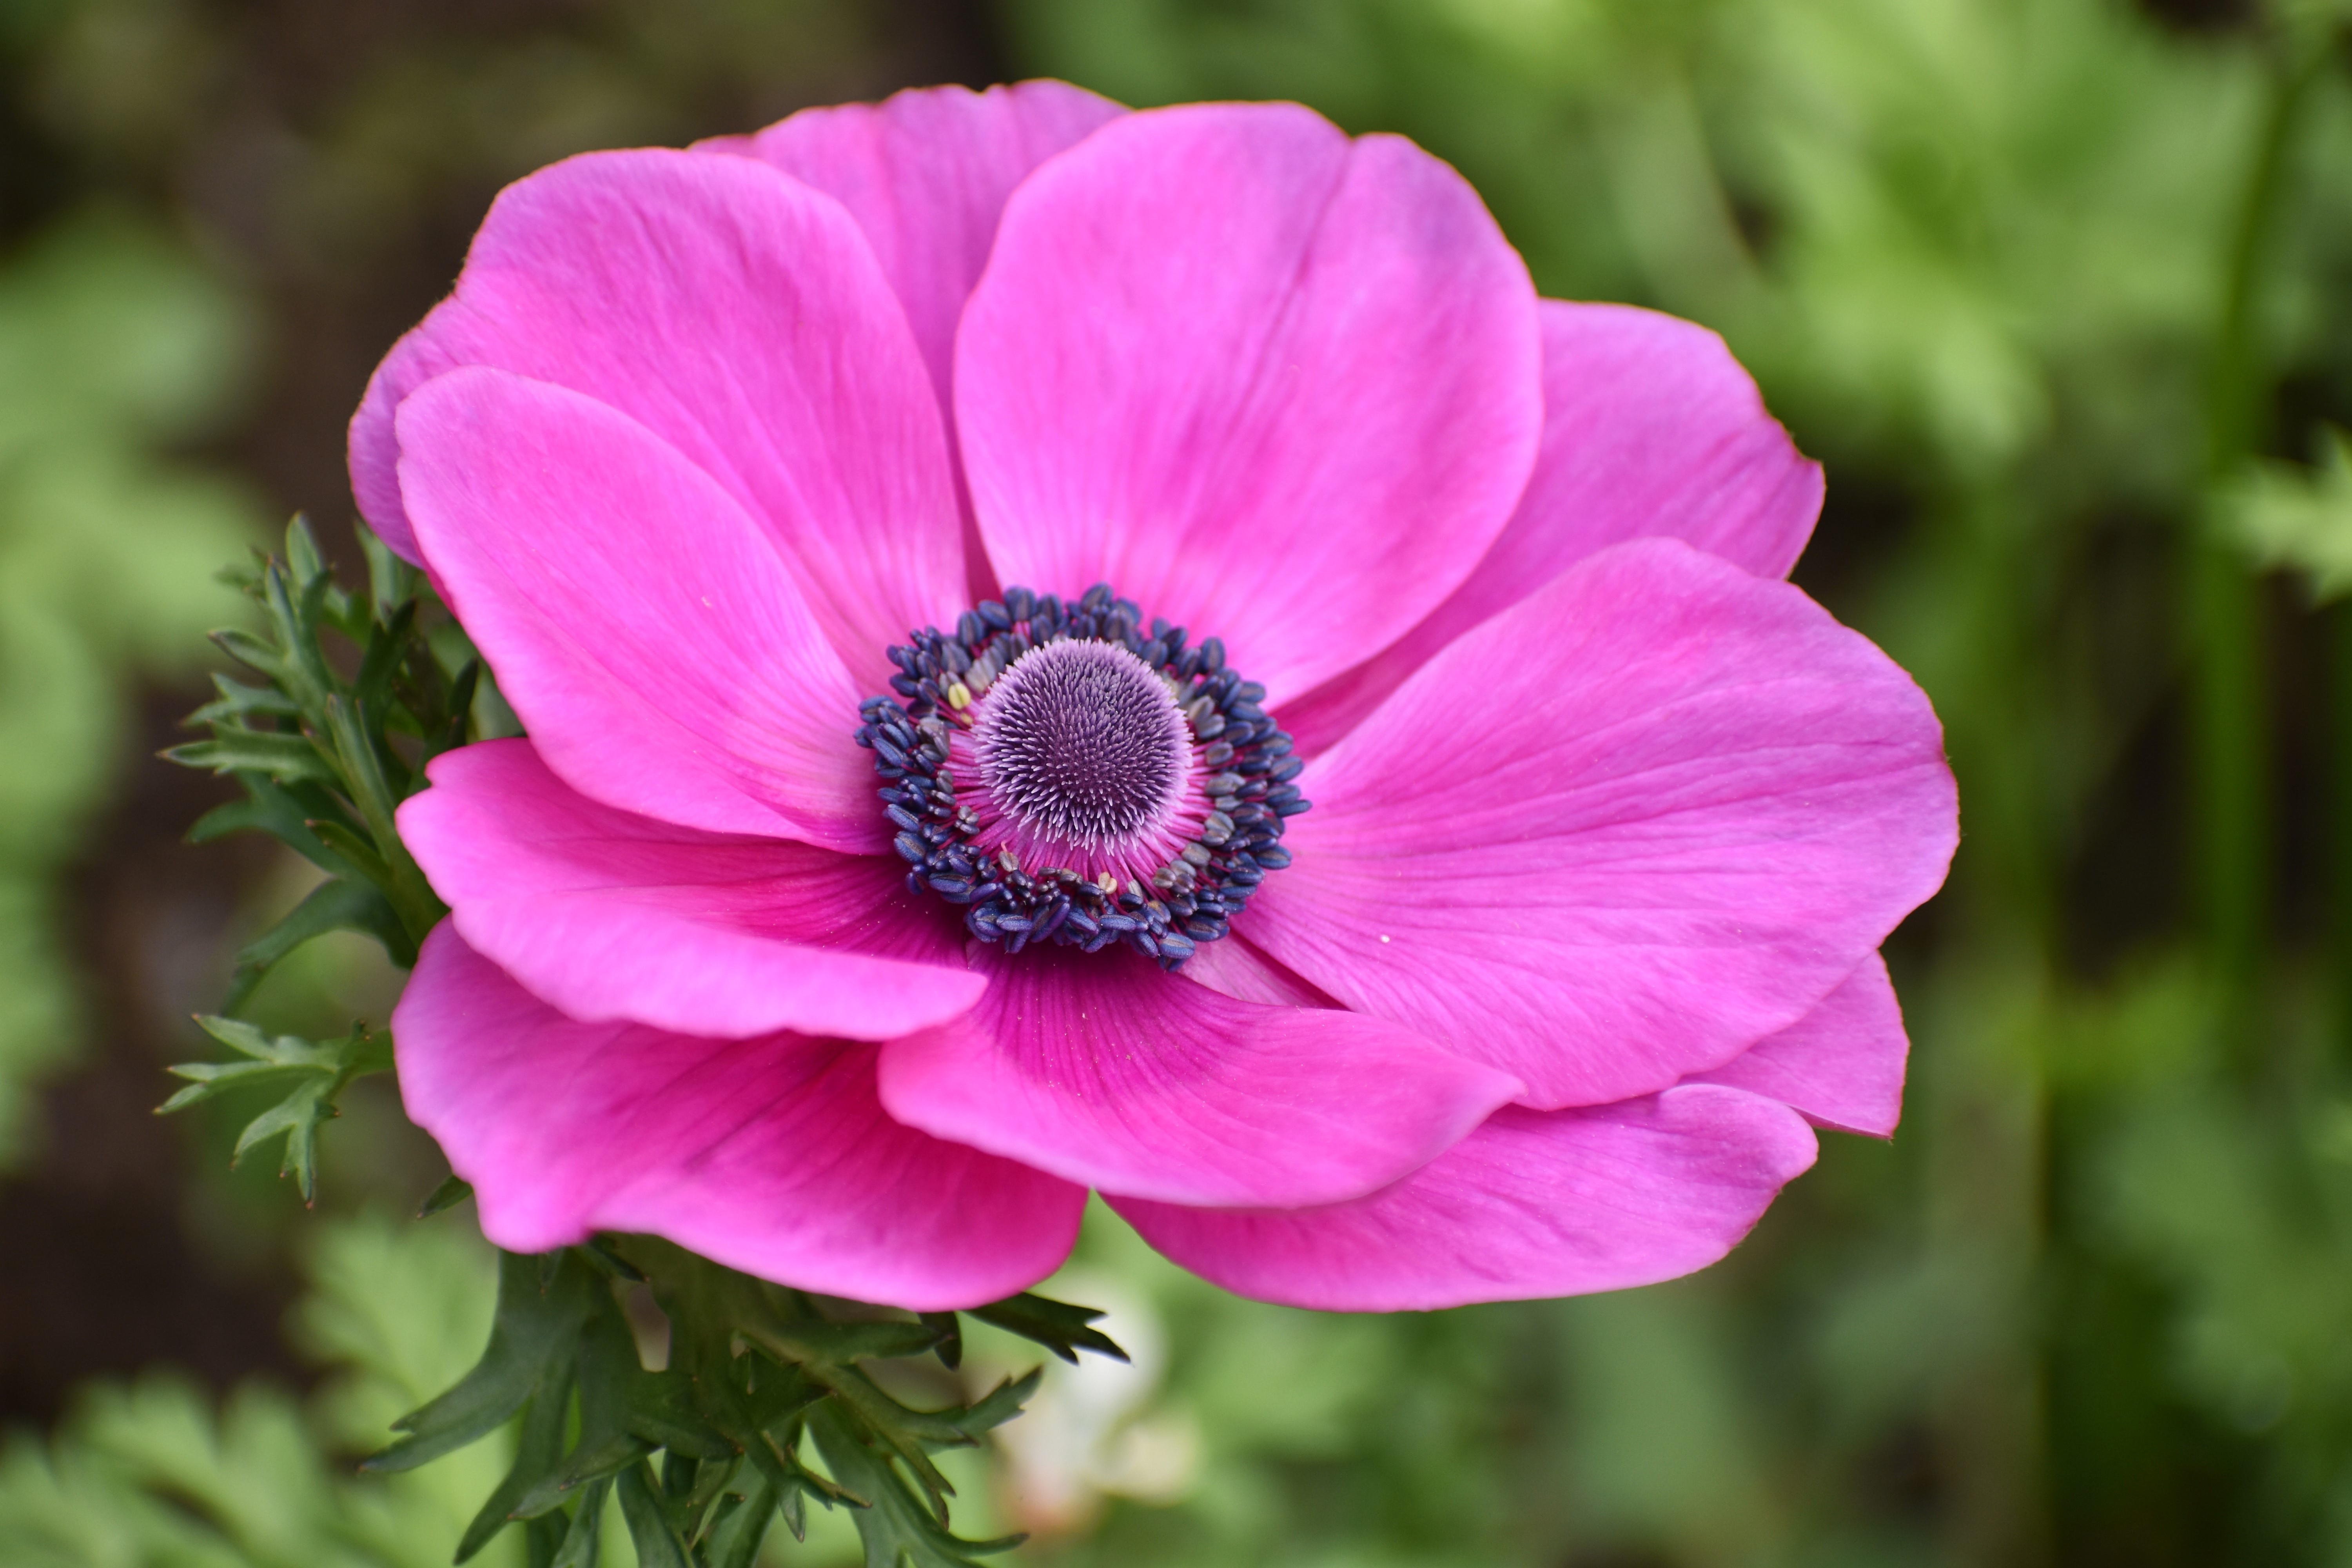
2229,764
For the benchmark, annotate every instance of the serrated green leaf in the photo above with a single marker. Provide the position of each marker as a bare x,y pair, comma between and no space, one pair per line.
606,1375
387,644
734,1540
950,1329
315,1073
898,1530
819,1340
338,905
238,702
302,557
532,1341
453,1190
651,1527
1000,1405
271,809
663,1411
275,755
392,582
293,611
601,1256
402,880
539,1453
582,1537
250,651
1057,1325
353,850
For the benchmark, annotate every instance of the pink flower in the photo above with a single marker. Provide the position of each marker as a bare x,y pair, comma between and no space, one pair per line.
1608,820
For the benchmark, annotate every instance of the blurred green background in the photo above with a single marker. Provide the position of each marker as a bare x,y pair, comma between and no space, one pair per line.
2059,290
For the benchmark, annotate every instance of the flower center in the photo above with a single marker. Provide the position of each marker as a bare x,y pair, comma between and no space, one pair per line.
1065,777
1082,745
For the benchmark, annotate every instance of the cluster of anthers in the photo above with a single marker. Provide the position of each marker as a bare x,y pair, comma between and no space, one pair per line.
1066,777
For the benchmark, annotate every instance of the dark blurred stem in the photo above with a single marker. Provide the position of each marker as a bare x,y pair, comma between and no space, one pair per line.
2339,821
2231,765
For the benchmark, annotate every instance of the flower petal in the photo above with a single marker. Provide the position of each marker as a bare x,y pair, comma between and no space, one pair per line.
1651,430
1643,818
1103,1070
926,172
741,316
1839,1066
609,915
638,621
1533,1204
1277,387
771,1155
1231,967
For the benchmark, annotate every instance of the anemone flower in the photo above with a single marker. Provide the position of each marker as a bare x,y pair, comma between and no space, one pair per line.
939,550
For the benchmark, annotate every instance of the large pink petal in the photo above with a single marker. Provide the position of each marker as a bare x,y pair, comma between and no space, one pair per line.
1651,428
742,317
1638,821
610,915
926,174
1533,1204
1280,387
1841,1065
771,1155
640,624
1103,1070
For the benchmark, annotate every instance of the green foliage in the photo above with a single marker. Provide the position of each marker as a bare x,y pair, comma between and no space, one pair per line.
706,1452
325,762
113,344
2300,517
308,1076
149,1475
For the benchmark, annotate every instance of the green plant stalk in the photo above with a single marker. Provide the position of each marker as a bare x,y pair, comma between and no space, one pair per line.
2230,761
2339,821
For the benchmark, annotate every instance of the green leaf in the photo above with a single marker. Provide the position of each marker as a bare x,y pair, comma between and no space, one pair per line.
1000,1405
268,808
532,1341
2299,518
337,905
537,1453
583,1536
651,1528
950,1329
314,1074
355,851
250,651
898,1530
607,1374
238,702
1057,1325
275,755
662,1411
392,582
387,644
403,881
454,1190
734,1540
